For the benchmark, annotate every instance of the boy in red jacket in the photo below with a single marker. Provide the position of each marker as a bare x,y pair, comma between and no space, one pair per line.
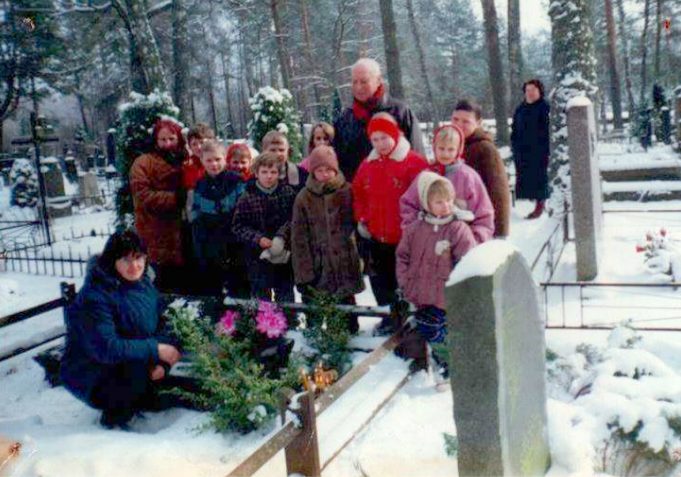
383,176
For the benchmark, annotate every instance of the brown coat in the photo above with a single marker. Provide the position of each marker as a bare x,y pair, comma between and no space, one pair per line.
154,184
481,154
323,243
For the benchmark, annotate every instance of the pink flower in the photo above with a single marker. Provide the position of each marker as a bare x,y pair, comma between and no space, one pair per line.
270,320
663,231
640,249
649,236
227,323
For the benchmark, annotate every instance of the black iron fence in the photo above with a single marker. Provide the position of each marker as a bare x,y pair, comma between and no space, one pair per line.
47,262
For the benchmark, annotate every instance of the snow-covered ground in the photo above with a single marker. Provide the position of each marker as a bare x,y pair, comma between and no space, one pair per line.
61,435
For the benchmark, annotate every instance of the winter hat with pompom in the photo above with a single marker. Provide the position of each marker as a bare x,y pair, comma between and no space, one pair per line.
323,156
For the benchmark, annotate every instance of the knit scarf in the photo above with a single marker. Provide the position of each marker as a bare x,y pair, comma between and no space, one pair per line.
364,110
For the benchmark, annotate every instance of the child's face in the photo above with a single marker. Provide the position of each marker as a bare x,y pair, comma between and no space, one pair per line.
166,140
195,146
267,176
446,151
319,138
240,163
280,149
383,143
324,174
440,206
214,162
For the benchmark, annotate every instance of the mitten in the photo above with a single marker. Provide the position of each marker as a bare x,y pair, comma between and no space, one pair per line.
363,231
464,215
442,246
277,246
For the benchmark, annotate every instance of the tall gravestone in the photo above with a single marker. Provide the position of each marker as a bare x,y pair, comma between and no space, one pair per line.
88,189
587,197
58,205
497,351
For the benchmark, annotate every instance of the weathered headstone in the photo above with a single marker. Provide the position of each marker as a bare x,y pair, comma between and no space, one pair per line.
71,169
88,189
587,198
497,351
54,178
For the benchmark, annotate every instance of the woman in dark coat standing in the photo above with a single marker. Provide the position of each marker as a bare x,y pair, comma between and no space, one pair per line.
530,146
116,354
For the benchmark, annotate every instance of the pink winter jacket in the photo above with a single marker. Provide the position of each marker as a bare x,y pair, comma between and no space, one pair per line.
426,256
471,194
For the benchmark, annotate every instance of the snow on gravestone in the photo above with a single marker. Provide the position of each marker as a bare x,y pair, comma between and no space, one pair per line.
587,199
57,204
496,343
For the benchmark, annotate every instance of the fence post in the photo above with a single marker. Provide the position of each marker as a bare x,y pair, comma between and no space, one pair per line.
302,455
68,294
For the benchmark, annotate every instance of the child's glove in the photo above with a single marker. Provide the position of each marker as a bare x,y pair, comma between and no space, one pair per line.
282,258
442,246
277,247
363,231
463,215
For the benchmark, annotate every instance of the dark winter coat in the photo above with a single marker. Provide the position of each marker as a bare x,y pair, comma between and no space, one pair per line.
293,176
155,183
530,146
482,155
259,215
213,208
352,144
112,321
323,244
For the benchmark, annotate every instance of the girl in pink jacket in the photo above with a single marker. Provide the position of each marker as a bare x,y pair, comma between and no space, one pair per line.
472,201
428,250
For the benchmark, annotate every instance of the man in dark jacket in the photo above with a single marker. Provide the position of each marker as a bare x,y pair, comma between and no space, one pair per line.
369,97
115,353
481,154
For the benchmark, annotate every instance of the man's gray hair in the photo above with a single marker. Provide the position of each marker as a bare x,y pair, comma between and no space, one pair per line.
370,64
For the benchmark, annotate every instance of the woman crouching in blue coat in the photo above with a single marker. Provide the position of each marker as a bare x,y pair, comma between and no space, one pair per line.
116,356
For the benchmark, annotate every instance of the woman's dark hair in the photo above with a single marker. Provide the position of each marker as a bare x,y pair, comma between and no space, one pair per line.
537,84
119,245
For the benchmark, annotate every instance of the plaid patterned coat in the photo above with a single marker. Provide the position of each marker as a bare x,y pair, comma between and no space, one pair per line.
260,215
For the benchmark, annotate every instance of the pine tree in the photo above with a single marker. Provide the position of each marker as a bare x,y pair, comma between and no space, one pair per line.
275,110
574,69
133,138
24,183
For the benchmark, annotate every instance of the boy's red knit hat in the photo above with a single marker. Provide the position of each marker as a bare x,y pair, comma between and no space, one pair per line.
323,156
385,124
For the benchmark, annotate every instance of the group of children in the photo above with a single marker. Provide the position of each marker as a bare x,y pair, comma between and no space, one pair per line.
276,224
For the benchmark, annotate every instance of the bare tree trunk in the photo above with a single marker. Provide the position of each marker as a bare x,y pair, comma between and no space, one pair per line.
311,65
181,58
625,47
284,59
225,76
496,70
434,113
615,93
392,53
644,52
146,67
658,39
515,56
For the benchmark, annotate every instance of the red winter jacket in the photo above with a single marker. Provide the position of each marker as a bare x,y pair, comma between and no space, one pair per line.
192,171
377,187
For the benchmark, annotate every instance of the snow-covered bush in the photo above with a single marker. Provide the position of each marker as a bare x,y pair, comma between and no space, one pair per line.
133,138
275,110
625,401
24,183
574,75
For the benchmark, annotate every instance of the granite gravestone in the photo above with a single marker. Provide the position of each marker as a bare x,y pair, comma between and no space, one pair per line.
58,205
88,189
587,198
497,351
